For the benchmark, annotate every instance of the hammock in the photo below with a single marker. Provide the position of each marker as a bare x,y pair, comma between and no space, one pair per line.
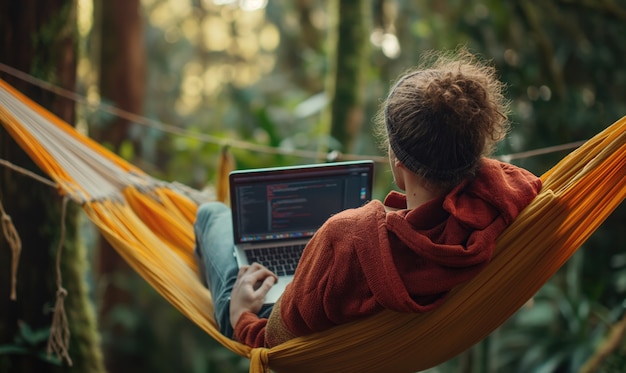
149,222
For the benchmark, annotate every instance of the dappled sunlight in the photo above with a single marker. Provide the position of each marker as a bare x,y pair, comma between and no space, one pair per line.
180,8
245,46
234,42
84,17
212,79
246,74
269,38
539,93
172,34
247,5
215,33
186,104
159,16
252,5
511,57
190,28
390,45
588,97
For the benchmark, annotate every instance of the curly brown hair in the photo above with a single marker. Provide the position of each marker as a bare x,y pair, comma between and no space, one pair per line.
442,117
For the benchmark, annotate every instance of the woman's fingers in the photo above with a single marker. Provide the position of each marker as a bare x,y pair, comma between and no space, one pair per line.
260,272
266,285
248,293
257,279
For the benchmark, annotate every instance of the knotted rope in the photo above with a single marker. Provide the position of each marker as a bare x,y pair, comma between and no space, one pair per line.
15,243
59,339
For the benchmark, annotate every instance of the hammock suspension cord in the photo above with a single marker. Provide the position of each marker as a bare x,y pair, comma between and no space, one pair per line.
59,339
144,121
15,243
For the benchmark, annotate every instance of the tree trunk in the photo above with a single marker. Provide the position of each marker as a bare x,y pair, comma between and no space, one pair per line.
348,56
122,83
122,70
39,39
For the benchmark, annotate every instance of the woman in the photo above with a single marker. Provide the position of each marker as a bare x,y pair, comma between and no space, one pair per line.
439,122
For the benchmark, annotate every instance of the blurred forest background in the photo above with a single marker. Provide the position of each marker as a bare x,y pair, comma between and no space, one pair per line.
263,83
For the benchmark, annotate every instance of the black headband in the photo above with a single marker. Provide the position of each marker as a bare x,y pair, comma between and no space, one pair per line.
402,146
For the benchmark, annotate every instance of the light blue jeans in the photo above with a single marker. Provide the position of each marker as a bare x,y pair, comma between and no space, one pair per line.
217,265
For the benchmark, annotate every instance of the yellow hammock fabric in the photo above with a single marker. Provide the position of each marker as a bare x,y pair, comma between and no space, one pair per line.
150,223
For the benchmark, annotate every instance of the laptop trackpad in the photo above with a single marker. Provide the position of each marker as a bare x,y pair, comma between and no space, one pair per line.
277,290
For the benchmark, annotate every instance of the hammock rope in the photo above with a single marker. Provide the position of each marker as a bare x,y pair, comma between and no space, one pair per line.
15,243
230,143
150,223
59,340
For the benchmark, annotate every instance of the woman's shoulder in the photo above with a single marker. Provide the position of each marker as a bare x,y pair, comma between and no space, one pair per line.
370,210
356,220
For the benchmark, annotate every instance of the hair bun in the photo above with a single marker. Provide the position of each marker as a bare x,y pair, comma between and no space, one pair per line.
441,119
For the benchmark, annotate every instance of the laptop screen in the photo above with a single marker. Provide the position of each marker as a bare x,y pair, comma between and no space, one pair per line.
293,202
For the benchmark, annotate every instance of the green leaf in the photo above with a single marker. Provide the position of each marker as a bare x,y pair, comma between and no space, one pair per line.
12,349
32,337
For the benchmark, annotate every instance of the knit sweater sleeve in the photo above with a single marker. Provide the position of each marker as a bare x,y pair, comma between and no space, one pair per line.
250,330
302,308
329,287
301,305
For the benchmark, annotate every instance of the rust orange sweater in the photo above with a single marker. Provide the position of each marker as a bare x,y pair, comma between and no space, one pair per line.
364,260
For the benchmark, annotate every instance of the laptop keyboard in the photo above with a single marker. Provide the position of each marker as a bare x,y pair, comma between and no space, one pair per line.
281,260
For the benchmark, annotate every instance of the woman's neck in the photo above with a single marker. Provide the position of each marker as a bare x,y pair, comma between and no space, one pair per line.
418,191
417,195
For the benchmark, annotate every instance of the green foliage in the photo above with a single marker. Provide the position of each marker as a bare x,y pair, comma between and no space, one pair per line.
158,338
29,342
614,363
561,60
567,319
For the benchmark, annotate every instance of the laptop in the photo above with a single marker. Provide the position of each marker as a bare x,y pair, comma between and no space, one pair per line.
277,210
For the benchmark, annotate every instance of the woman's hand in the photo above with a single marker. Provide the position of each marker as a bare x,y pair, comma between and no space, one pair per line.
248,294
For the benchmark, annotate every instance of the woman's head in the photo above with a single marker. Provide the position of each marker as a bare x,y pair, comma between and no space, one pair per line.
441,118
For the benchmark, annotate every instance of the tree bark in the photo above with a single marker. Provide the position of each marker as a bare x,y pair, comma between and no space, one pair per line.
39,39
349,61
122,70
122,83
